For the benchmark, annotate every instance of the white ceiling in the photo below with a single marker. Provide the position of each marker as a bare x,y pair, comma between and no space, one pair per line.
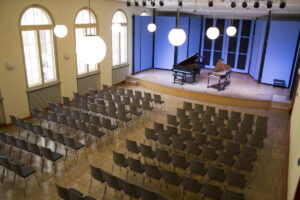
222,7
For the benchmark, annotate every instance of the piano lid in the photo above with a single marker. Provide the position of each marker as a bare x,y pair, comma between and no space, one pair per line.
192,59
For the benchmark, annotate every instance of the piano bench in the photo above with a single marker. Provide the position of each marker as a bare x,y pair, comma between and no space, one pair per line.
180,77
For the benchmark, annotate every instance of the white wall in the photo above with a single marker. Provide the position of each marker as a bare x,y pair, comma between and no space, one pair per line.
13,83
294,155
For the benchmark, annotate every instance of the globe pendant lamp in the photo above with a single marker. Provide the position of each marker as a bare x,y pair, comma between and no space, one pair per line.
60,30
91,49
212,33
151,27
177,35
231,31
116,27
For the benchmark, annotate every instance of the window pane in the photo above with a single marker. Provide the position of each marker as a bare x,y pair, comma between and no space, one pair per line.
220,25
232,44
231,59
219,43
246,28
85,17
115,48
217,56
32,60
206,58
123,45
244,43
242,62
47,54
35,16
81,66
119,17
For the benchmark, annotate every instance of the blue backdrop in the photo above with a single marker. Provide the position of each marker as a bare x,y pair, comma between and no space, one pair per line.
194,36
164,51
280,52
183,49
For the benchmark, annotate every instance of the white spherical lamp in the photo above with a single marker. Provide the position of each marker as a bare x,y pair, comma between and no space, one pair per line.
116,27
231,30
60,31
151,27
213,33
177,36
91,49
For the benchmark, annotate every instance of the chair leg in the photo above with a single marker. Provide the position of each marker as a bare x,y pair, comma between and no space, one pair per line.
43,162
25,187
3,171
20,154
14,181
90,185
30,160
104,192
66,153
37,180
77,155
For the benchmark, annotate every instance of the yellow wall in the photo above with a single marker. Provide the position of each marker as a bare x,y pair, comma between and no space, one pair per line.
13,83
294,169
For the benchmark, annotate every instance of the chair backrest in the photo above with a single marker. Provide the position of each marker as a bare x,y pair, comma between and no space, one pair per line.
75,114
66,111
104,87
117,98
122,115
172,120
72,123
29,126
62,192
62,119
100,102
106,123
146,150
171,177
34,148
119,159
138,94
192,147
91,99
52,116
172,131
157,99
11,140
210,110
70,142
5,162
21,122
179,161
205,118
197,167
197,126
92,92
16,168
199,108
23,145
133,110
164,139
209,153
97,174
216,173
93,130
181,113
48,134
82,127
211,130
35,112
59,138
162,155
146,105
201,139
150,134
131,190
235,116
152,171
232,148
135,165
191,184
177,143
147,96
130,92
95,120
114,182
132,146
3,137
186,134
122,91
158,127
126,100
223,114
187,106
47,153
85,117
43,114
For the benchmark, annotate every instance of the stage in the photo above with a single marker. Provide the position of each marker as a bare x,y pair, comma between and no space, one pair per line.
243,90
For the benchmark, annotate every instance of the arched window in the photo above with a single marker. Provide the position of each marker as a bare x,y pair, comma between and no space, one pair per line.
38,47
85,24
119,39
144,13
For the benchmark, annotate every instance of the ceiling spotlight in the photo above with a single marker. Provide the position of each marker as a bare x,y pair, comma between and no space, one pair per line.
152,2
282,4
256,4
244,4
128,3
144,3
136,3
233,4
180,3
210,4
269,4
161,3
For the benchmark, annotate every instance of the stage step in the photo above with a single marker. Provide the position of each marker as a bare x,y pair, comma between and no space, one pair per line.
132,81
280,102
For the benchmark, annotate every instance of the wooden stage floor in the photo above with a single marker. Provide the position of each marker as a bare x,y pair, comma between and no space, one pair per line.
242,86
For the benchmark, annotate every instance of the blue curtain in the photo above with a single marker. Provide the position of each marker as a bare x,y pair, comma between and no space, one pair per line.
183,49
194,36
164,51
280,51
137,44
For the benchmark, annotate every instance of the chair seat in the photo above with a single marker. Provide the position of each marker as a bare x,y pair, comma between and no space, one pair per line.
113,127
236,179
78,146
56,156
89,198
230,195
212,191
74,191
27,171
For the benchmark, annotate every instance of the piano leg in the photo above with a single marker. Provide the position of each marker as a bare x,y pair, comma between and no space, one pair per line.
194,76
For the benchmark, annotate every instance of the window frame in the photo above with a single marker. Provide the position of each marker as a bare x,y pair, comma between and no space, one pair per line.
122,24
81,26
37,29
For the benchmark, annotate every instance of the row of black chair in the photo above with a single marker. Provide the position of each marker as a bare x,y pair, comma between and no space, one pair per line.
71,194
18,169
116,183
187,182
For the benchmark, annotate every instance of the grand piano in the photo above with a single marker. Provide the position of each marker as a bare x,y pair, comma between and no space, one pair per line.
189,66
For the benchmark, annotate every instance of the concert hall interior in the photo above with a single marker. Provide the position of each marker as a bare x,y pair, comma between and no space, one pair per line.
149,99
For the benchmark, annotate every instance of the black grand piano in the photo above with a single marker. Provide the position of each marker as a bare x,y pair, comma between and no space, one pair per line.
189,66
